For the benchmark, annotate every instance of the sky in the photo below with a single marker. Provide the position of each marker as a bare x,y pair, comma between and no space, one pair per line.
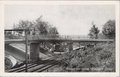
68,19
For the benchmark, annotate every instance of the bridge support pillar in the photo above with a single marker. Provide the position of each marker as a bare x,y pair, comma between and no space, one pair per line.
34,52
70,46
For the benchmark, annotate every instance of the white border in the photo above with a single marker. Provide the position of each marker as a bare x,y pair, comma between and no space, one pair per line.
94,74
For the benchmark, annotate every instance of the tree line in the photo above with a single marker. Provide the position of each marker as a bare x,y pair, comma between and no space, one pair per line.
37,27
108,31
41,27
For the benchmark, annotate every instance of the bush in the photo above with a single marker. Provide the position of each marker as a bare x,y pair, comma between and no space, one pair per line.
101,56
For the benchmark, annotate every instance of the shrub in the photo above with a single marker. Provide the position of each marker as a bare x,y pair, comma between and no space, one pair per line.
101,56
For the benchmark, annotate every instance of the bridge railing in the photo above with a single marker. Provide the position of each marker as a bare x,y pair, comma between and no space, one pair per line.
52,36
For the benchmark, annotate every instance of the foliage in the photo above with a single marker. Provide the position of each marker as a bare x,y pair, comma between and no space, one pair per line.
94,32
109,29
44,28
53,30
102,36
41,26
23,24
38,27
101,57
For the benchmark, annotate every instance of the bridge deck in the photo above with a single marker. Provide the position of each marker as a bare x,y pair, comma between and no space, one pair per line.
55,39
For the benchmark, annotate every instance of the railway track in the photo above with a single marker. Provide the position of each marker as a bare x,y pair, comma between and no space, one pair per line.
34,67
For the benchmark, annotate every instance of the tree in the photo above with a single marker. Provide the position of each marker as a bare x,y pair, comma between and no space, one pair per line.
101,36
53,31
38,27
41,26
44,27
94,32
109,29
23,24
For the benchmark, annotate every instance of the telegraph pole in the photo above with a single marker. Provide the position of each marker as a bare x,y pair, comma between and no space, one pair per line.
26,49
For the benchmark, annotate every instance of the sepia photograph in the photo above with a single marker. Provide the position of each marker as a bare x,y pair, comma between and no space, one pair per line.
60,38
67,38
